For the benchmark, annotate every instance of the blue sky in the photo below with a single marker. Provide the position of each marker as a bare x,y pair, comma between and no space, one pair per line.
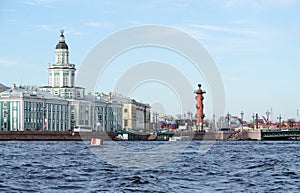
255,44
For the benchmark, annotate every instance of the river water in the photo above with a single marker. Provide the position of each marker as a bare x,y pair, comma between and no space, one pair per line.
228,166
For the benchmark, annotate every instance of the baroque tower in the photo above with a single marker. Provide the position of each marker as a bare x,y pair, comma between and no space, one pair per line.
61,81
61,73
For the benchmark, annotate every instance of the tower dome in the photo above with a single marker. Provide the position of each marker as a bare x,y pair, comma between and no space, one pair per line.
61,44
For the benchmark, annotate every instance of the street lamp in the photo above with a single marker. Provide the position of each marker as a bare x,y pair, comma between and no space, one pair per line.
228,119
253,116
106,116
268,114
242,118
279,119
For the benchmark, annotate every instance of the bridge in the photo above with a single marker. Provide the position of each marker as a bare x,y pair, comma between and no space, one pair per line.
280,133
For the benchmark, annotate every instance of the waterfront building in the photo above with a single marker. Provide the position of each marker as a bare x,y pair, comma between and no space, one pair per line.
25,109
88,110
97,112
136,115
60,105
3,87
61,80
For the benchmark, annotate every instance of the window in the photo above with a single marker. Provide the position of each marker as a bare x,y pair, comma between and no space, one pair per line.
5,114
125,110
69,94
66,79
56,79
125,123
72,116
78,94
100,118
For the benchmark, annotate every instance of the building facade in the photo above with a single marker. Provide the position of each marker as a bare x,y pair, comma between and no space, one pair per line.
101,114
23,109
60,105
87,110
136,115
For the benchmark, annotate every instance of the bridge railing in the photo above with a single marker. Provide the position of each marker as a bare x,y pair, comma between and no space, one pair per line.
280,132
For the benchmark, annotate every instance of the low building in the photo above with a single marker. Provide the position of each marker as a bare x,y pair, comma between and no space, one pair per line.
23,109
3,87
136,115
99,113
26,109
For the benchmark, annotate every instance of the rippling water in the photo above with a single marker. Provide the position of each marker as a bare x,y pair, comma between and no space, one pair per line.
229,166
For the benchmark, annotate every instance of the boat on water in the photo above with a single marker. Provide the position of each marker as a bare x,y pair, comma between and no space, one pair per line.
179,138
121,137
83,128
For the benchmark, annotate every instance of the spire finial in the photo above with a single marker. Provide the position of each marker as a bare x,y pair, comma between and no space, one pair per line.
62,32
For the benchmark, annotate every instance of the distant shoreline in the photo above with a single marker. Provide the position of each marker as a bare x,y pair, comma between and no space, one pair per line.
108,136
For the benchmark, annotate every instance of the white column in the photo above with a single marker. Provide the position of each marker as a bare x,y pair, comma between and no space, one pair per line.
61,78
70,79
52,78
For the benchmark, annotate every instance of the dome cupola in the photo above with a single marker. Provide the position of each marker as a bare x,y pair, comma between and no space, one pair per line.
61,44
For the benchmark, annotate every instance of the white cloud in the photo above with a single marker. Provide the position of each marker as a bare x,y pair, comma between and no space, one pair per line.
181,5
56,28
211,27
8,63
40,2
237,31
8,10
260,4
72,31
229,39
98,24
46,27
196,33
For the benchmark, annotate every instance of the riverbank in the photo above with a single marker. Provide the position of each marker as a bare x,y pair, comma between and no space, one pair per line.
107,136
54,135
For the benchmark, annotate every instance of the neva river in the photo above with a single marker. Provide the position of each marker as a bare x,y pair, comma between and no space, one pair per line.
229,166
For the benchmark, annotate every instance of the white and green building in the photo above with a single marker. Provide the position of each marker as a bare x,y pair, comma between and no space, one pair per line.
32,109
23,109
100,113
84,109
61,105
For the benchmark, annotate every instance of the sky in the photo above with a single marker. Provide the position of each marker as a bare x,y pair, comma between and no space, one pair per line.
255,45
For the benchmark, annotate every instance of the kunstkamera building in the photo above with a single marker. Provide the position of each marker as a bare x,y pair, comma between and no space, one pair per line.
60,105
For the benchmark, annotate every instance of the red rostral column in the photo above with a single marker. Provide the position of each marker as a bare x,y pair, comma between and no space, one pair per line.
199,106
